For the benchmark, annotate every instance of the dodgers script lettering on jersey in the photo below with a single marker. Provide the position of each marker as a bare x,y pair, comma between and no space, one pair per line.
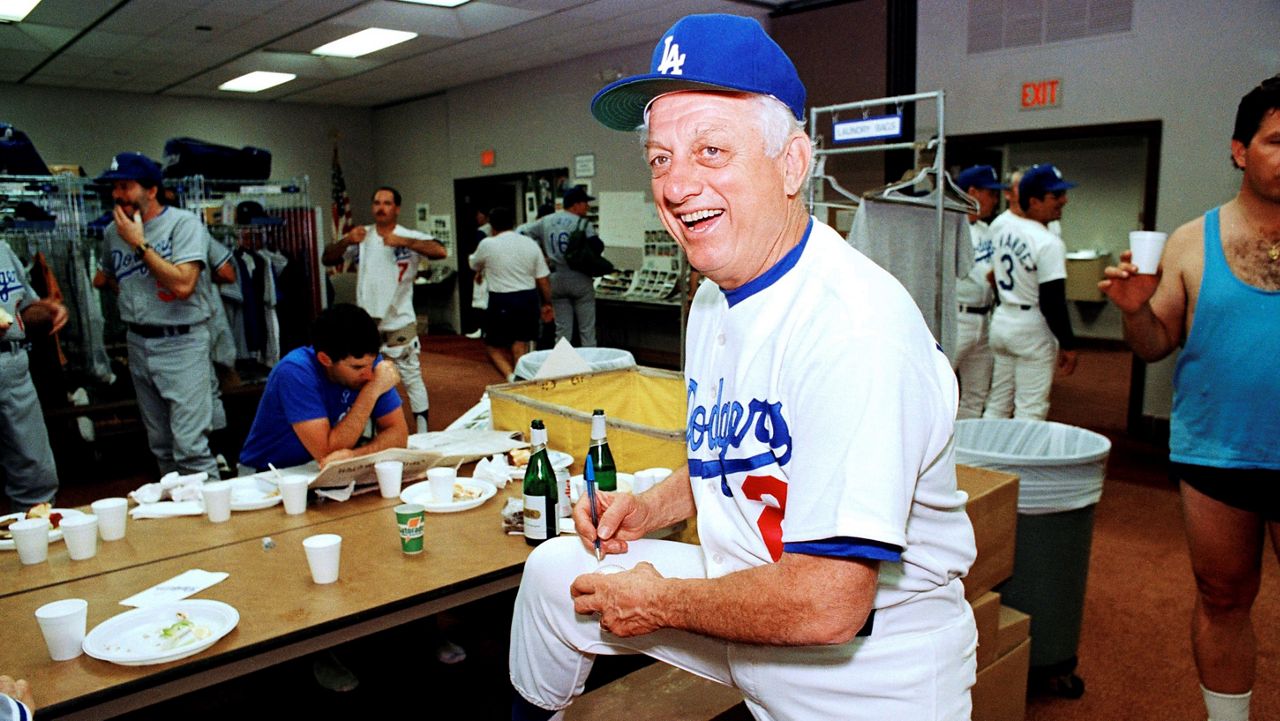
760,439
9,284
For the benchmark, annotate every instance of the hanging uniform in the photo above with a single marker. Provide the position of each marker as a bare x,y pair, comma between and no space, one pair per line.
30,473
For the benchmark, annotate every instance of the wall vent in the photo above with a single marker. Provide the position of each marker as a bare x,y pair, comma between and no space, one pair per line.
1005,24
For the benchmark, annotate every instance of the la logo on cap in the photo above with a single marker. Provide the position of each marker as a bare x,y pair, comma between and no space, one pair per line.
115,164
672,59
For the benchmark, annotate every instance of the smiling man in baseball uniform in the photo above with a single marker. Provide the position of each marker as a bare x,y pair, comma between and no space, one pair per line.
820,414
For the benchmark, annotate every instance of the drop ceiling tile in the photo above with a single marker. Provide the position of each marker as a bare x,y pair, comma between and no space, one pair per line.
16,63
149,17
105,45
69,13
31,36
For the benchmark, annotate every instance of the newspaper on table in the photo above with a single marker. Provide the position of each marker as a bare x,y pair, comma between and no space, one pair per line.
340,474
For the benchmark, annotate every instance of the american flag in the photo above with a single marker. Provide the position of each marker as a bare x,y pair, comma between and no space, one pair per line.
341,208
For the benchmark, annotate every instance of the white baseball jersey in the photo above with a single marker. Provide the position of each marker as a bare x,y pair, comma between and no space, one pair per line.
973,289
820,418
384,287
1026,255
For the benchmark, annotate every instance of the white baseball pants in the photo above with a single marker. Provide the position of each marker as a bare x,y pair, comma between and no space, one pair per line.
919,662
973,363
1026,354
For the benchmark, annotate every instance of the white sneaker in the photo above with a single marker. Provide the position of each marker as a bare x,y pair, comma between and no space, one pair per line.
474,334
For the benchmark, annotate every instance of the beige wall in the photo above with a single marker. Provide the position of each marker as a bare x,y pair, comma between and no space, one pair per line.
86,128
1185,63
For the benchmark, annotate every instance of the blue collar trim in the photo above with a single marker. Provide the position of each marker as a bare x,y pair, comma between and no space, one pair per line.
770,276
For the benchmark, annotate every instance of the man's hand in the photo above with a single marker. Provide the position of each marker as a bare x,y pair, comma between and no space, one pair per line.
1128,289
6,321
391,240
355,235
625,601
341,454
129,230
18,690
385,377
548,313
622,519
1067,362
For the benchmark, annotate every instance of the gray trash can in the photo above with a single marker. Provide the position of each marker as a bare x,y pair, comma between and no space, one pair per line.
1061,469
600,359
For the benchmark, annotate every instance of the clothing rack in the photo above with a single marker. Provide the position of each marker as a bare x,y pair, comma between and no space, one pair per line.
943,184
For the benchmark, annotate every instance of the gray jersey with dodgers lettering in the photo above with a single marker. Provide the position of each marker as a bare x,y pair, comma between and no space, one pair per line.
15,291
178,237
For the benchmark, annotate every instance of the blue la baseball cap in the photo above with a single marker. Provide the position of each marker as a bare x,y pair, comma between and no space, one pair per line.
1041,179
704,52
979,176
132,166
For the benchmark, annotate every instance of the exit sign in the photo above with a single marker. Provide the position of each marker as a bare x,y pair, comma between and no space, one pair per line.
1039,94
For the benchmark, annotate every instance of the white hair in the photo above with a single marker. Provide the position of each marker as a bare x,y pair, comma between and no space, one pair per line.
777,125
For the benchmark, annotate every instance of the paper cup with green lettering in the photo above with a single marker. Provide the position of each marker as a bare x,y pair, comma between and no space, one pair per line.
1147,247
412,518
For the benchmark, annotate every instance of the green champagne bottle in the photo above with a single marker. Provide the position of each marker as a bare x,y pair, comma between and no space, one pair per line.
540,493
601,456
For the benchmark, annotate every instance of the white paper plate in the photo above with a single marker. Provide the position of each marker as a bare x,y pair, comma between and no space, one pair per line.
559,459
251,494
421,493
133,638
625,481
55,534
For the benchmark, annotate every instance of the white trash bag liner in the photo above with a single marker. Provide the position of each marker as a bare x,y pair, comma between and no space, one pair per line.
600,359
1060,467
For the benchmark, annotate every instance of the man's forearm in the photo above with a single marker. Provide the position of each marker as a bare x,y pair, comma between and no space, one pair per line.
432,249
335,251
347,433
178,279
1149,339
799,601
383,439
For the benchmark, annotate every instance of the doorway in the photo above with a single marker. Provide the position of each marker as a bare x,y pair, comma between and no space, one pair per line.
523,192
1117,169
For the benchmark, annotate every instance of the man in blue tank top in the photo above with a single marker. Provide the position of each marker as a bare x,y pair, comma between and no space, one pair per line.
1218,296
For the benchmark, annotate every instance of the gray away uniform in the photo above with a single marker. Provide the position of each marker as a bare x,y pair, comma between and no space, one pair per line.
25,457
169,341
573,294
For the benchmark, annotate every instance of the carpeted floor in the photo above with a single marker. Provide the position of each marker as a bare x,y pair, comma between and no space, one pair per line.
1134,653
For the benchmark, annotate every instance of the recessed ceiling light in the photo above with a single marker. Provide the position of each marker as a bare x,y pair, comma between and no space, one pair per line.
256,81
363,43
15,10
439,3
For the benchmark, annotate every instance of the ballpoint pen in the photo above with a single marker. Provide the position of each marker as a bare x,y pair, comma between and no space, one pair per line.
589,477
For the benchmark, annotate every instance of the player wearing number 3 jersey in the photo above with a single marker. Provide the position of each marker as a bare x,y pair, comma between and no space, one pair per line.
819,420
1030,329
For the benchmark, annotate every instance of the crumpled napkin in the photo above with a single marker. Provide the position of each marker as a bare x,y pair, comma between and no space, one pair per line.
494,469
167,509
338,494
173,487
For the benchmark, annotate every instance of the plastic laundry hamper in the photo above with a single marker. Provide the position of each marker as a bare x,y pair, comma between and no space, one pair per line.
600,359
1061,469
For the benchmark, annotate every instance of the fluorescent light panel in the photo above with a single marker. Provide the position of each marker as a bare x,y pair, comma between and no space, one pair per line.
363,43
256,81
439,3
15,10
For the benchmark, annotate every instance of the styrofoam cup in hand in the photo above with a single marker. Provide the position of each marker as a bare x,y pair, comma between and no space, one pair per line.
81,536
441,480
217,500
293,489
389,474
323,554
113,517
62,624
1147,247
31,537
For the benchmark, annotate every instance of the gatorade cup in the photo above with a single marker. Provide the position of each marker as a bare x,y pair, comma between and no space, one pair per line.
411,517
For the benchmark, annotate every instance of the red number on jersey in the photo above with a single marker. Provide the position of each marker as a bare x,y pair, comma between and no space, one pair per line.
770,520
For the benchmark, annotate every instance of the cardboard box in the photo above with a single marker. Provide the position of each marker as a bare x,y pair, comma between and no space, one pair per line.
645,408
1000,693
1083,276
1013,627
986,613
993,511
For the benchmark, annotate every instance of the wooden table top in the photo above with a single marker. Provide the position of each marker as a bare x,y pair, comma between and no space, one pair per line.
156,539
272,590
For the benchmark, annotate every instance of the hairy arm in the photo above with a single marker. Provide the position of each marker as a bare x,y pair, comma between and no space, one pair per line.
1155,307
